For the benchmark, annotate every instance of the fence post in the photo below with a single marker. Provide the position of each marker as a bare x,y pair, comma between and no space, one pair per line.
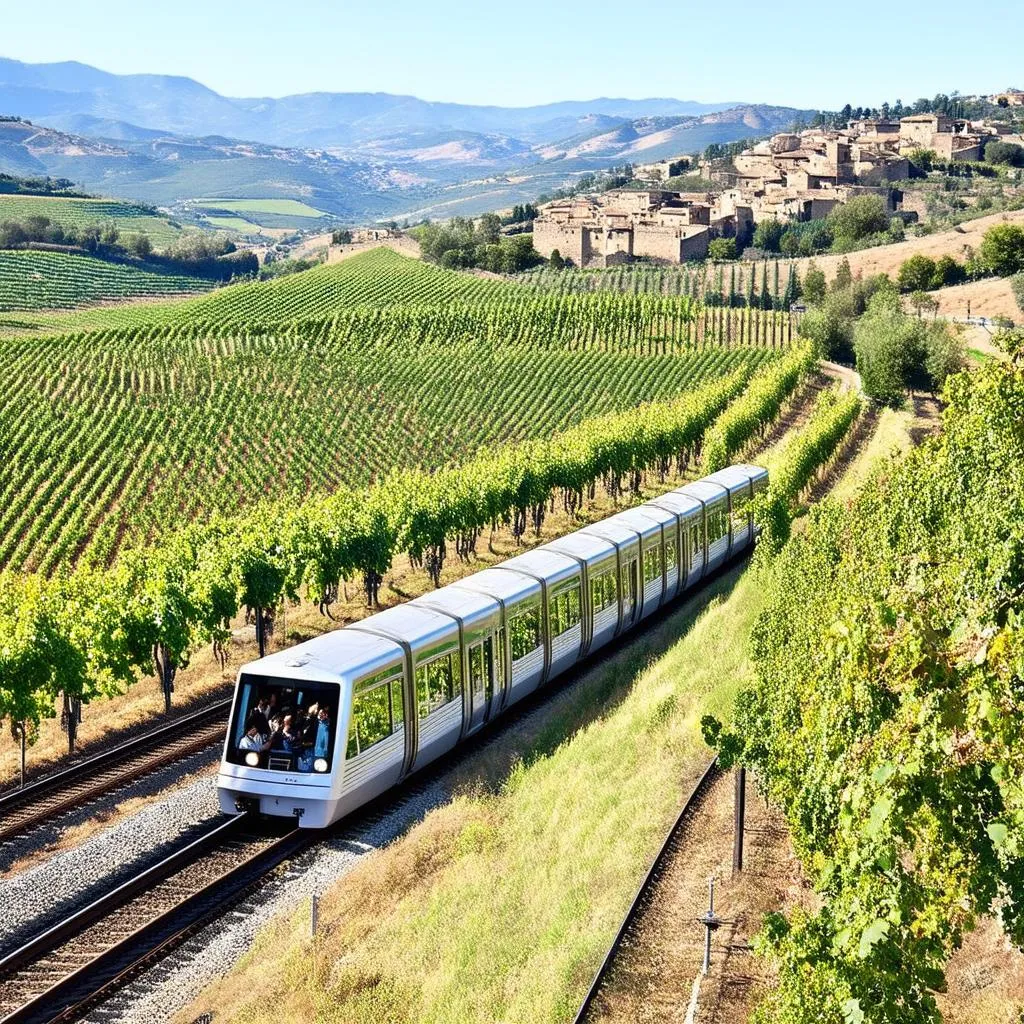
314,915
740,809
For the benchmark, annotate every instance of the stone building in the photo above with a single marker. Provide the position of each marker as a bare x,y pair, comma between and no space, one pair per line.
619,226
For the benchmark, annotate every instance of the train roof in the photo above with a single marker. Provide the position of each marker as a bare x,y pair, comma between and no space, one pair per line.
334,657
588,546
703,490
550,565
506,585
736,478
684,505
646,520
415,625
610,529
471,606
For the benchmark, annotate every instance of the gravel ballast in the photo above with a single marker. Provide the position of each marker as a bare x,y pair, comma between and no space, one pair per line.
48,892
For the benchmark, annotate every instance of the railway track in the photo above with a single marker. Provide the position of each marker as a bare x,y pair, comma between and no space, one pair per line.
59,974
641,900
24,809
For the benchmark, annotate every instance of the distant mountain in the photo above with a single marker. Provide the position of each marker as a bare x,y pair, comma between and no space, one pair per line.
167,141
656,138
54,93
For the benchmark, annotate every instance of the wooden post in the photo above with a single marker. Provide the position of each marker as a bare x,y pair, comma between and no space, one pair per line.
740,815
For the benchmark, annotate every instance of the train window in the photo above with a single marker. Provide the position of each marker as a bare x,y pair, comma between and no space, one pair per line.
739,513
652,563
718,525
438,683
604,591
696,548
564,610
283,724
524,632
671,555
377,711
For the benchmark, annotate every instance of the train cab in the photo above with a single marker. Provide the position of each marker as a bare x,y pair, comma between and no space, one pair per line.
290,734
598,560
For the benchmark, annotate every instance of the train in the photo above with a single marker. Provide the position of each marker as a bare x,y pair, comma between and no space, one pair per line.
321,728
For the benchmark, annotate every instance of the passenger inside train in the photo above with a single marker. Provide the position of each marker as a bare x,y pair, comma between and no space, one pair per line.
283,725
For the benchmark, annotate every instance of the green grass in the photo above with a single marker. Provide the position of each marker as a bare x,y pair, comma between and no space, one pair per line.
32,280
499,906
245,227
280,207
130,219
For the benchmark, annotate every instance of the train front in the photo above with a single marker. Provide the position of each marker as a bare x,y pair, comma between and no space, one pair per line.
282,755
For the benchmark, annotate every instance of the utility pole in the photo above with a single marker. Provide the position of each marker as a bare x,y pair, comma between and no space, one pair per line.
710,923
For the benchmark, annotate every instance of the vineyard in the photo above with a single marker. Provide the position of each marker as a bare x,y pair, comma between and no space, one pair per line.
92,425
94,630
767,285
32,280
127,217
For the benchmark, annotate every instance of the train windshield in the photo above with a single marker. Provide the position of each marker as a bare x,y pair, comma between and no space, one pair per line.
285,725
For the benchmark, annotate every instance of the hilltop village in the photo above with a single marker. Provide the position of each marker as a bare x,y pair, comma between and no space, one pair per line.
793,176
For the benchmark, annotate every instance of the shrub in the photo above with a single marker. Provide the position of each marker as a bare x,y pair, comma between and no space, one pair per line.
1006,153
947,272
859,218
1002,249
1017,283
916,273
722,249
814,284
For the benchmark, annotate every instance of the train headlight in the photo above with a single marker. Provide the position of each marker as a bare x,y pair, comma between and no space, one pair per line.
320,764
252,759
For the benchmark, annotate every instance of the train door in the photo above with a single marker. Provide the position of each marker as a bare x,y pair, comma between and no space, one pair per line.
481,682
629,592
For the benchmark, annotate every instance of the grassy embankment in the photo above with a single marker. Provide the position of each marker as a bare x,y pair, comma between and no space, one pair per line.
499,906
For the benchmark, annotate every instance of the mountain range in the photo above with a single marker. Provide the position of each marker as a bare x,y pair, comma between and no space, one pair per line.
167,140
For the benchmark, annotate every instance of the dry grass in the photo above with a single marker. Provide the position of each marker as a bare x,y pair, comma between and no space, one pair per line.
499,906
886,259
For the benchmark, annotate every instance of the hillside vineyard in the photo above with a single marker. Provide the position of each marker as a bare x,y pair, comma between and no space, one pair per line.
242,414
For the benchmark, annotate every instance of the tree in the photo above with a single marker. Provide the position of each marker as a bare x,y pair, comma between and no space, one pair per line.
1007,153
1017,284
916,273
341,237
140,246
722,249
1002,250
555,261
844,276
768,234
923,302
488,229
814,284
861,217
947,272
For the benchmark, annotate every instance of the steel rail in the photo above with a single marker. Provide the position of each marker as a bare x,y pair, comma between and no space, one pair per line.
163,927
59,791
650,879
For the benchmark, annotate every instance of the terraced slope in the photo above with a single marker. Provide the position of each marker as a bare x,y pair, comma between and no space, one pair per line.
129,218
31,280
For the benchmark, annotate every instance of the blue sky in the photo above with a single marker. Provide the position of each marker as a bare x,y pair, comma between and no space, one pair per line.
536,51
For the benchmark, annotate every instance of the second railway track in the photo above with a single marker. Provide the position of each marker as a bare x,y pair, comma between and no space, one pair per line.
56,975
24,809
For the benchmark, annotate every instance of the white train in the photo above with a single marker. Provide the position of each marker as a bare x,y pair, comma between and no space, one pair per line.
360,708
